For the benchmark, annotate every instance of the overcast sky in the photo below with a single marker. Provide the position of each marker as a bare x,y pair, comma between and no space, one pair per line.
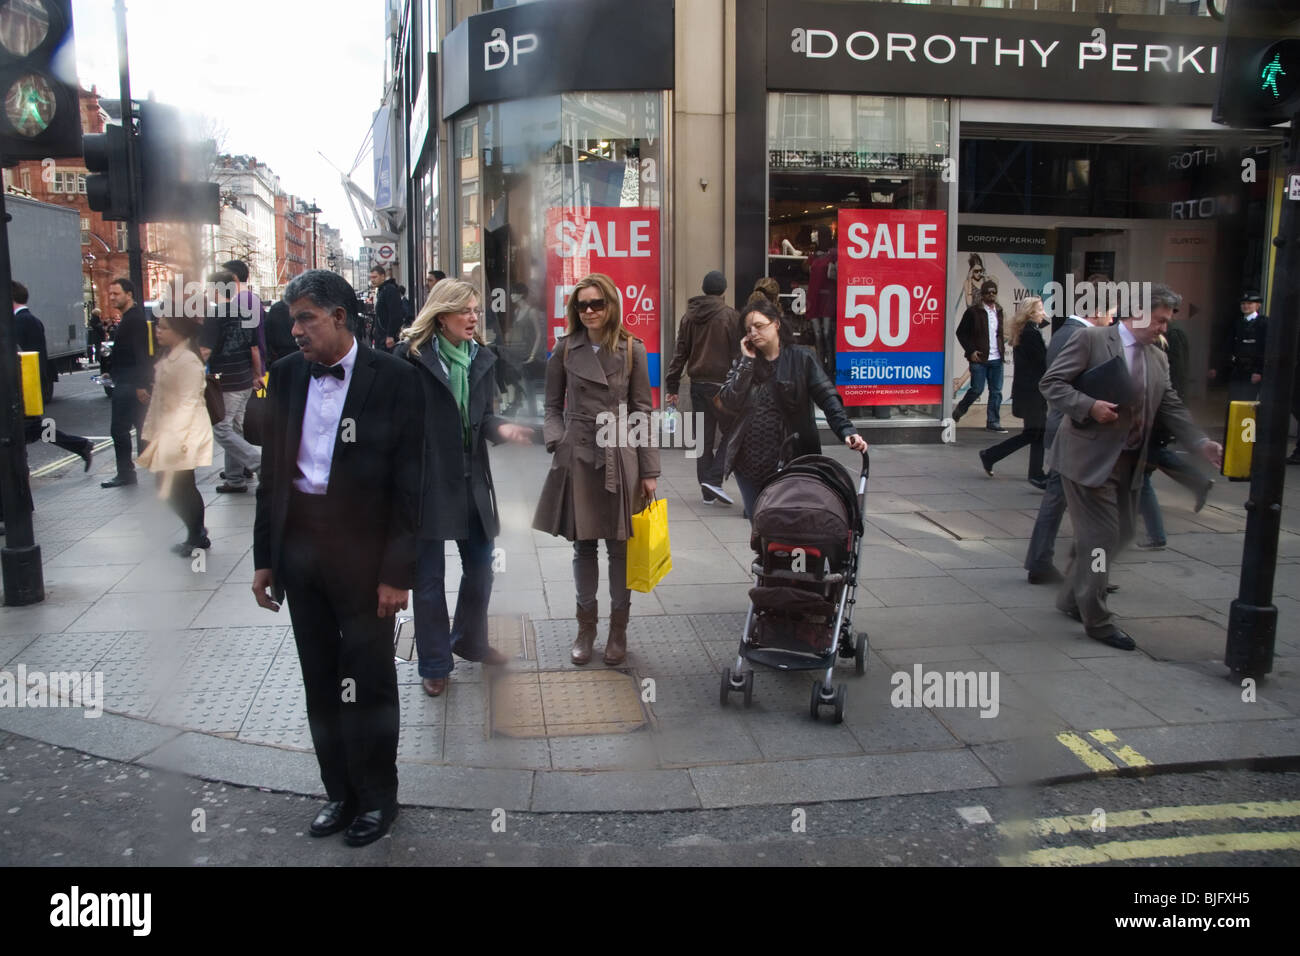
282,78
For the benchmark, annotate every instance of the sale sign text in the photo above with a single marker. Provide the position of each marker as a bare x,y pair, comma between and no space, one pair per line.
623,243
890,282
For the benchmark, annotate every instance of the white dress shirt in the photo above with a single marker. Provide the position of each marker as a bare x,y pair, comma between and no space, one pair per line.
320,426
994,352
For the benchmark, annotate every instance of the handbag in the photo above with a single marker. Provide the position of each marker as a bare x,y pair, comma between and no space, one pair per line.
649,557
213,398
255,413
726,417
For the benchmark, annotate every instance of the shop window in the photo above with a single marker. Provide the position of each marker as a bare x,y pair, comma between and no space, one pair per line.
554,188
122,235
868,162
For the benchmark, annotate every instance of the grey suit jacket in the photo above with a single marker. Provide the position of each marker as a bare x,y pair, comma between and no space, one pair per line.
1087,455
1062,335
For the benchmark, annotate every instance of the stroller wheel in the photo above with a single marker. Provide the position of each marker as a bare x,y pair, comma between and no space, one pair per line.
860,654
815,702
841,693
724,690
749,687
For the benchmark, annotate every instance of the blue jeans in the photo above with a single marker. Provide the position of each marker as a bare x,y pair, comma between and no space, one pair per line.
980,372
467,635
748,493
1183,472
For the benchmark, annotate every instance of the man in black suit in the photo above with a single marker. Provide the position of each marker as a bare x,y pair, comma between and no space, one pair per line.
29,333
132,379
337,514
1243,350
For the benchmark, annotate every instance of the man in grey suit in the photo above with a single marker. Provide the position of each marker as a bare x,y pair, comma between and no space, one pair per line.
1101,447
1042,541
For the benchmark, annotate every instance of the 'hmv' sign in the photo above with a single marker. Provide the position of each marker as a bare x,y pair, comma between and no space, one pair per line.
527,50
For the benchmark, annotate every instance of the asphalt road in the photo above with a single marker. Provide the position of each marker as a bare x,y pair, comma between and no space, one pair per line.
64,808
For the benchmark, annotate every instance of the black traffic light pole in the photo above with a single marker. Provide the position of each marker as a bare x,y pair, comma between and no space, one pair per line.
1252,621
20,558
134,255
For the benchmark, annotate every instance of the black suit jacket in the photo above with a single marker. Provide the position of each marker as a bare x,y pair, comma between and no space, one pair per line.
375,476
388,312
29,333
444,512
973,333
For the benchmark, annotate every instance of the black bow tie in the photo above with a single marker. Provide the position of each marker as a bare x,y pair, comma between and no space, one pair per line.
317,370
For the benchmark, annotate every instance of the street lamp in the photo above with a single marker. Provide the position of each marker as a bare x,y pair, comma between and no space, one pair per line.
314,210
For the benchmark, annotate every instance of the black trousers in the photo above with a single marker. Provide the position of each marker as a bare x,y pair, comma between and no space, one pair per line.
127,412
1032,437
186,501
346,654
34,431
708,467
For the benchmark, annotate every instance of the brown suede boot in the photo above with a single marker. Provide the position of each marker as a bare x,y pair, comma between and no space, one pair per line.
581,652
616,646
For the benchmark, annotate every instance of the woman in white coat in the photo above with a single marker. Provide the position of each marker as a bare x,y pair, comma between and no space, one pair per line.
177,427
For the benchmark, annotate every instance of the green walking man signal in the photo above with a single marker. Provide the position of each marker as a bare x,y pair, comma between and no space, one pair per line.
1271,73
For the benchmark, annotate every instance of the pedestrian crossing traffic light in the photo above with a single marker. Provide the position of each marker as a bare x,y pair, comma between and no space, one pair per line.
108,188
41,114
169,187
1260,82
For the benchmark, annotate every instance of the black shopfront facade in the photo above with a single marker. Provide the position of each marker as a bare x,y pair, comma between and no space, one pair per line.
1033,147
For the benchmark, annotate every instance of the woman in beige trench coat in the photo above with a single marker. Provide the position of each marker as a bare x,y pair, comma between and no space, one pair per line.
177,427
595,485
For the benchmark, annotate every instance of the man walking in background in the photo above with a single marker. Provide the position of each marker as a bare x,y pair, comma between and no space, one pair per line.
982,336
132,379
708,339
229,346
388,309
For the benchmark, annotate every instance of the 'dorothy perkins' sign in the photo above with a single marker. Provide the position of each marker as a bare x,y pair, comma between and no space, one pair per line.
892,48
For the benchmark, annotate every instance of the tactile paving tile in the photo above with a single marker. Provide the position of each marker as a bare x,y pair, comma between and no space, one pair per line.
718,627
420,743
157,645
65,651
241,641
292,738
660,659
12,646
464,747
566,703
416,708
129,678
671,627
224,674
209,711
277,708
609,752
130,705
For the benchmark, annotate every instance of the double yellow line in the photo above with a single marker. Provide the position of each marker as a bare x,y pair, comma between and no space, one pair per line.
56,465
1171,847
1122,755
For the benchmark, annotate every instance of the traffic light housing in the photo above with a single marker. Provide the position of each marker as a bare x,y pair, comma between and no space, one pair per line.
41,114
1260,82
169,190
108,188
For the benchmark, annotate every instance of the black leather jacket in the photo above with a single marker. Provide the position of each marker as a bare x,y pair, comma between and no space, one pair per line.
798,380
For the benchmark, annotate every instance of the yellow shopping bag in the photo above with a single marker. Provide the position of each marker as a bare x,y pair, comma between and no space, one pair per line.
649,557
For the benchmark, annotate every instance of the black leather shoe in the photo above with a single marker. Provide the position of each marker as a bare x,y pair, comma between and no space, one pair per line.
369,827
1116,638
988,468
1050,576
119,482
1203,494
334,816
87,454
1112,588
1039,483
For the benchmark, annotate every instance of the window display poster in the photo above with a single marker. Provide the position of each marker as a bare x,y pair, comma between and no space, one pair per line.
623,243
891,274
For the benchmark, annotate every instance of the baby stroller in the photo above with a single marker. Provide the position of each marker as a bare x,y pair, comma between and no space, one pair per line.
807,534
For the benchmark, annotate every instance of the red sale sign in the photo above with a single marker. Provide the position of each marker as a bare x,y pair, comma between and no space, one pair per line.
890,278
623,243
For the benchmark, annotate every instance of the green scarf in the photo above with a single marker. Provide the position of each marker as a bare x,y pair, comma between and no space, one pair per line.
457,358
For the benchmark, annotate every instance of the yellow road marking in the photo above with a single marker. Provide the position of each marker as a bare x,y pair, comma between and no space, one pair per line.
1123,751
1091,757
1049,826
56,465
1120,851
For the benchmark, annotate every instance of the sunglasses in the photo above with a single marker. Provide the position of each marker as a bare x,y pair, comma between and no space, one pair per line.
591,305
476,311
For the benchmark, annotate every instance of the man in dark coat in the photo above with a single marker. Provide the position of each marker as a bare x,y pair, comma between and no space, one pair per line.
1242,362
133,355
982,336
335,530
29,332
389,316
708,341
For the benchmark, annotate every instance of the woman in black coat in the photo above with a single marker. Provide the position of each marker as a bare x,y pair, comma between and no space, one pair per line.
1027,401
457,501
772,388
